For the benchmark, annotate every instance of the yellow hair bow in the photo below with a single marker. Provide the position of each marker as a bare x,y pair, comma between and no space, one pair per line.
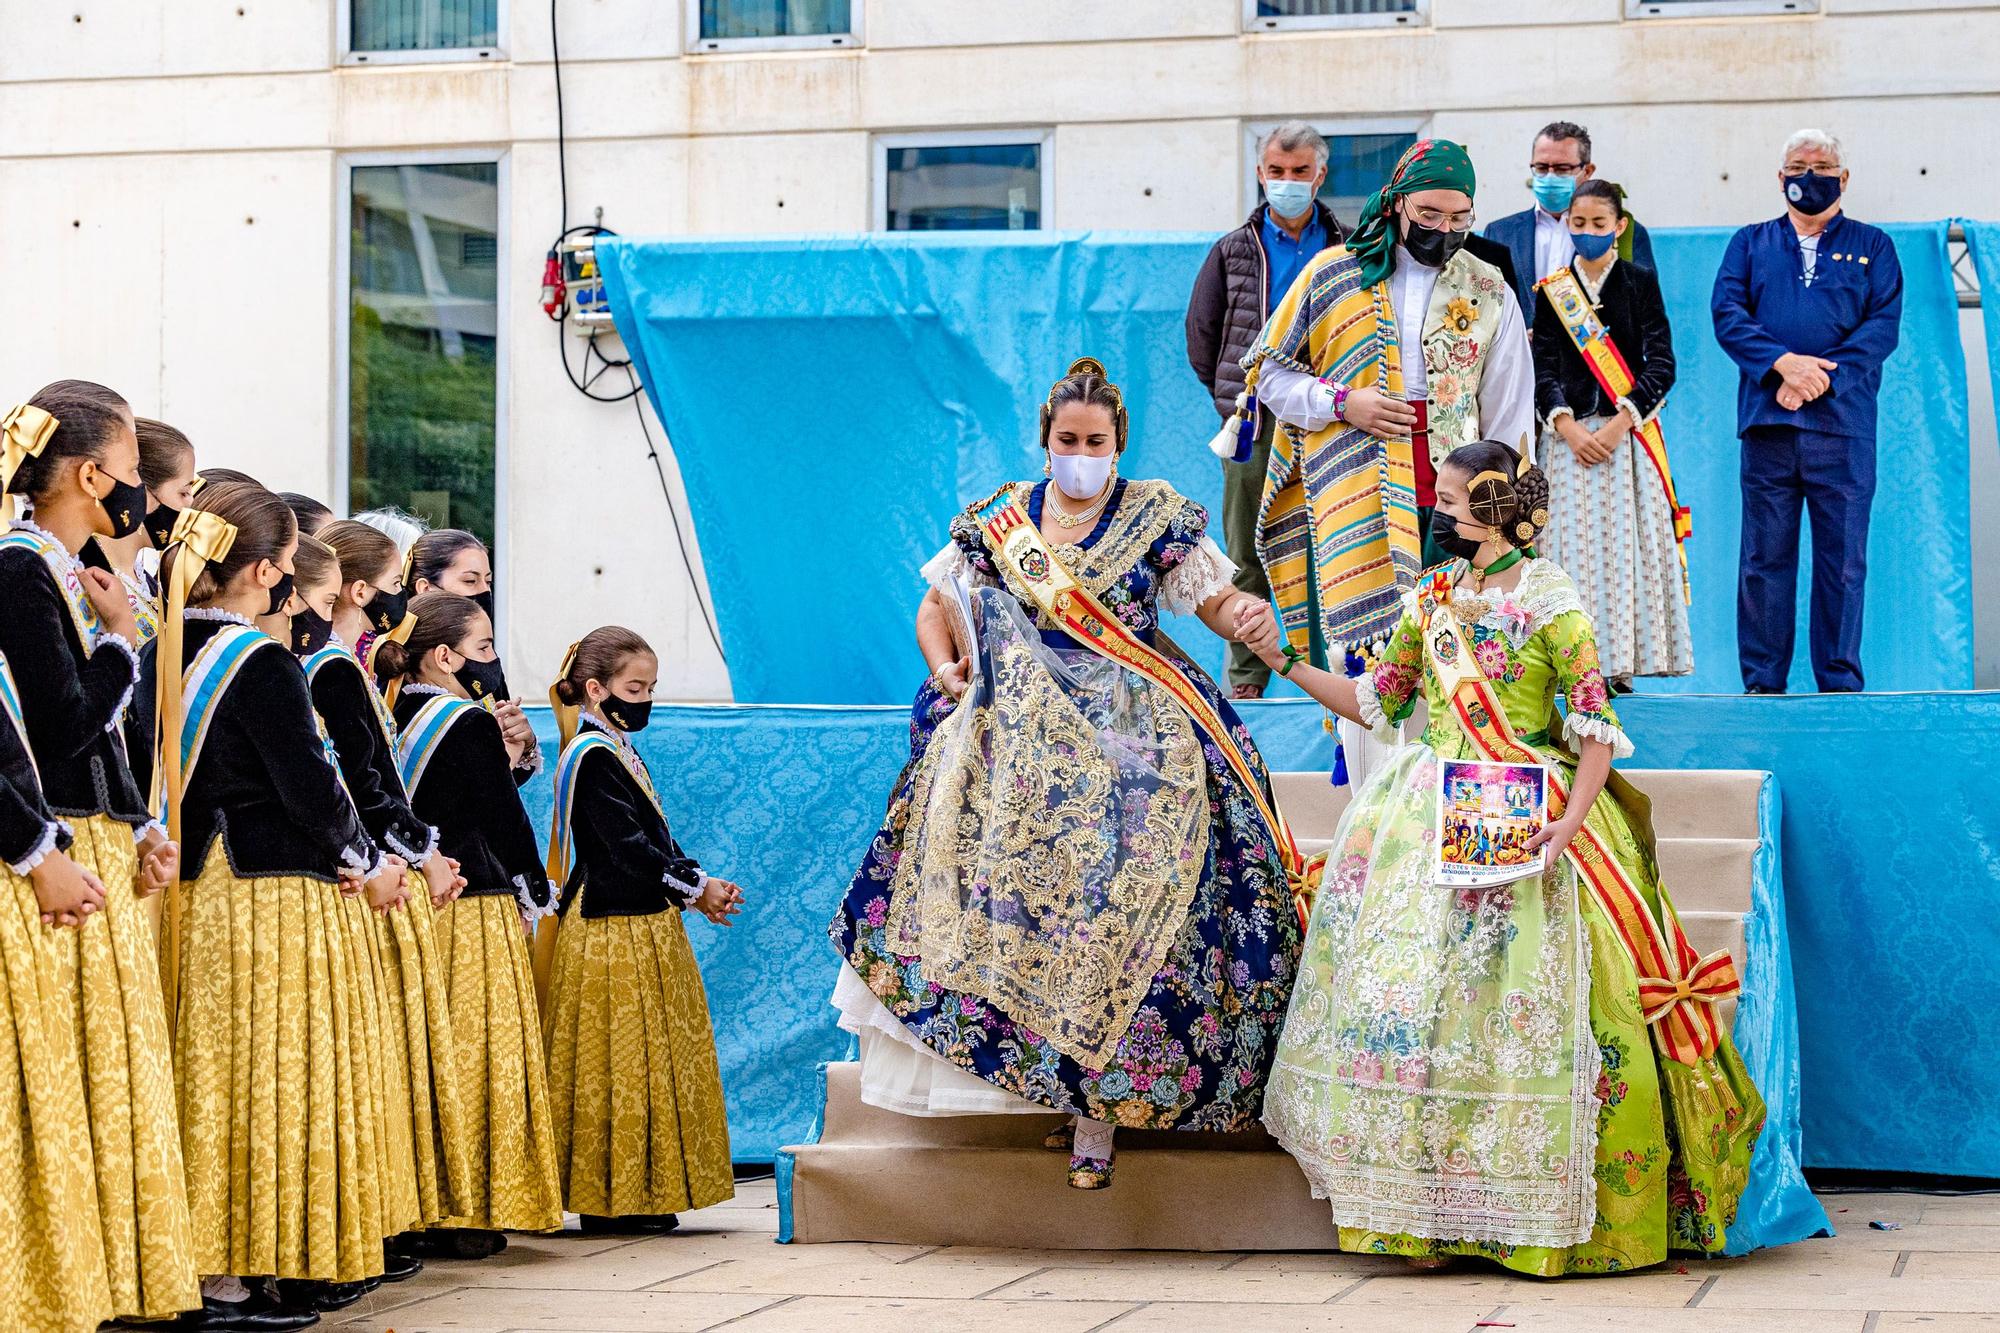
208,538
24,433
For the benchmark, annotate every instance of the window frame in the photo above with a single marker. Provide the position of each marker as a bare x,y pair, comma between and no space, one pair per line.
1654,10
694,44
343,319
1253,22
430,55
880,145
1329,127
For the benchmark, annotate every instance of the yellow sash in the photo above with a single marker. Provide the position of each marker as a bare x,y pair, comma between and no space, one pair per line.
1607,366
1018,544
1677,987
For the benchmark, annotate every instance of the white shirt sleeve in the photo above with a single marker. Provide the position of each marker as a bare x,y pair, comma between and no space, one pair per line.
1507,382
1296,398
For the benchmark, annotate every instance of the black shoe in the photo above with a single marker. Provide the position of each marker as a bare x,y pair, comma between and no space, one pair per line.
326,1297
399,1267
630,1224
457,1243
259,1314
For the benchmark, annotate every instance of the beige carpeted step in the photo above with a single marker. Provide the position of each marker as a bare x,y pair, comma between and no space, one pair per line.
878,1176
987,1181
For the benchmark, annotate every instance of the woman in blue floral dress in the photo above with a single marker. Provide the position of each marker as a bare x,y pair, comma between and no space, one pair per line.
1075,903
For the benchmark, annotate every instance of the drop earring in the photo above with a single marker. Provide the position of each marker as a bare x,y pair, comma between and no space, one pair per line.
1048,465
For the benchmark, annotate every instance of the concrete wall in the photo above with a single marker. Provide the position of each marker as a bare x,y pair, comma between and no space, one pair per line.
172,185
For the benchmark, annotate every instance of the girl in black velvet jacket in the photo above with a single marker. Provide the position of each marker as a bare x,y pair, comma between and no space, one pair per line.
458,766
1612,520
627,1024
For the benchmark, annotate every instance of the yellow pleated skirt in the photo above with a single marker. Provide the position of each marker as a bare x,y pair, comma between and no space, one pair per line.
640,1121
51,1241
111,979
387,1072
511,1180
278,1058
421,1059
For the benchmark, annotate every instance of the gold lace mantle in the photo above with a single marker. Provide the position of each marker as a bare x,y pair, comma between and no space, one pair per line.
1039,873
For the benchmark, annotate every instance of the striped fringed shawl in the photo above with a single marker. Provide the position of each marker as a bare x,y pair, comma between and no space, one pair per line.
1340,533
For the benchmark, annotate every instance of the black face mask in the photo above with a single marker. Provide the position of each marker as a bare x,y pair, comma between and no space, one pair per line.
1447,537
626,715
1430,246
280,594
126,507
483,680
310,631
160,526
484,601
386,610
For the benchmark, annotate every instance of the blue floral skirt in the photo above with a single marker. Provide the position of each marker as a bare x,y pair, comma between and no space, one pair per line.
1199,1049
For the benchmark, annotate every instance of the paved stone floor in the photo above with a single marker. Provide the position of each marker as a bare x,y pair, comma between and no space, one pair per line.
1938,1273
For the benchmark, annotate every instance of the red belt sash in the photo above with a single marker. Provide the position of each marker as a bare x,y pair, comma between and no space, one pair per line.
1678,988
1420,455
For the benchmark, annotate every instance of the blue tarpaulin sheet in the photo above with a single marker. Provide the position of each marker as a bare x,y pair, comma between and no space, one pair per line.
832,401
1887,909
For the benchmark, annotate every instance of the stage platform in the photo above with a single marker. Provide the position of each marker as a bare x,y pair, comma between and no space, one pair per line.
874,1175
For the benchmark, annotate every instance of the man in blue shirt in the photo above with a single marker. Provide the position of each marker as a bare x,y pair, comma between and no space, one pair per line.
1246,273
1808,306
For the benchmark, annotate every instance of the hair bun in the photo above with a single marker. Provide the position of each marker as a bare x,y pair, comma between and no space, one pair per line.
1087,365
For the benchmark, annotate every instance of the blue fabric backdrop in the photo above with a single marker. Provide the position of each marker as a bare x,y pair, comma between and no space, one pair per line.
1983,239
1893,914
897,378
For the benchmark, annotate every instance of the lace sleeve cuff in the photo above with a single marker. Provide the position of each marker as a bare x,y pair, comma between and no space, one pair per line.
123,645
1641,418
417,859
51,832
1373,716
1205,572
531,909
951,563
1557,413
531,763
1594,727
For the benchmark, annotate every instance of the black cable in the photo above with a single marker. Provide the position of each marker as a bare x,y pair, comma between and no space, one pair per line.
562,155
687,562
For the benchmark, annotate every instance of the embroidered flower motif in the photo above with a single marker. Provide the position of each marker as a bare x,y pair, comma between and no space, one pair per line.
1464,353
1446,390
1459,314
1492,658
1589,694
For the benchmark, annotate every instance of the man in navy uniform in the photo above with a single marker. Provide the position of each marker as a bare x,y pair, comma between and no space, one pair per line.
1808,306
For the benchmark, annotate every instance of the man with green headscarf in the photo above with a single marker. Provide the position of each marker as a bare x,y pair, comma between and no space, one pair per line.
1363,422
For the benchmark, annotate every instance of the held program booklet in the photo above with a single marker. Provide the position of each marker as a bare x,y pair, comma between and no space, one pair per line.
1486,814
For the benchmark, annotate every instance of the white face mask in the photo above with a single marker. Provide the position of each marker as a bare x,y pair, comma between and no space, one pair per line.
1081,476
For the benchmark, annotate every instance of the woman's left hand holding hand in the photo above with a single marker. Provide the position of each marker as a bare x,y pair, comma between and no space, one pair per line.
1256,626
159,866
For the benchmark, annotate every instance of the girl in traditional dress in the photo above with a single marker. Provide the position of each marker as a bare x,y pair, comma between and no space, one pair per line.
69,635
458,767
166,470
1065,818
422,1059
51,1252
1481,1071
278,1039
1612,512
641,1130
453,560
382,604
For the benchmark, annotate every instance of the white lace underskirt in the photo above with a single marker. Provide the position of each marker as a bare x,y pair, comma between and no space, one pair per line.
899,1073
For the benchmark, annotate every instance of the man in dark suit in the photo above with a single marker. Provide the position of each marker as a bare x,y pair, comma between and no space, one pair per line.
1538,238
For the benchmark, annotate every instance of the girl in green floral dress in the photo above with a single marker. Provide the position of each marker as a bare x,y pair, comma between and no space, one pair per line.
1471,1071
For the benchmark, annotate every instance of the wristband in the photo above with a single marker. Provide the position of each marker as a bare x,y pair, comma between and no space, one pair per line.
1292,658
1339,392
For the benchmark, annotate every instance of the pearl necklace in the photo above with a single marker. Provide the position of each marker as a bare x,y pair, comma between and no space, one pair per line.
1064,518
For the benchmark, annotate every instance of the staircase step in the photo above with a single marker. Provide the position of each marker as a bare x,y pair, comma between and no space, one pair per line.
1709,931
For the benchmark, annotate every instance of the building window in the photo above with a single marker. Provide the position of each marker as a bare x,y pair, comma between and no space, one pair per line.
1673,9
994,180
1278,15
1359,158
423,365
381,32
766,25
